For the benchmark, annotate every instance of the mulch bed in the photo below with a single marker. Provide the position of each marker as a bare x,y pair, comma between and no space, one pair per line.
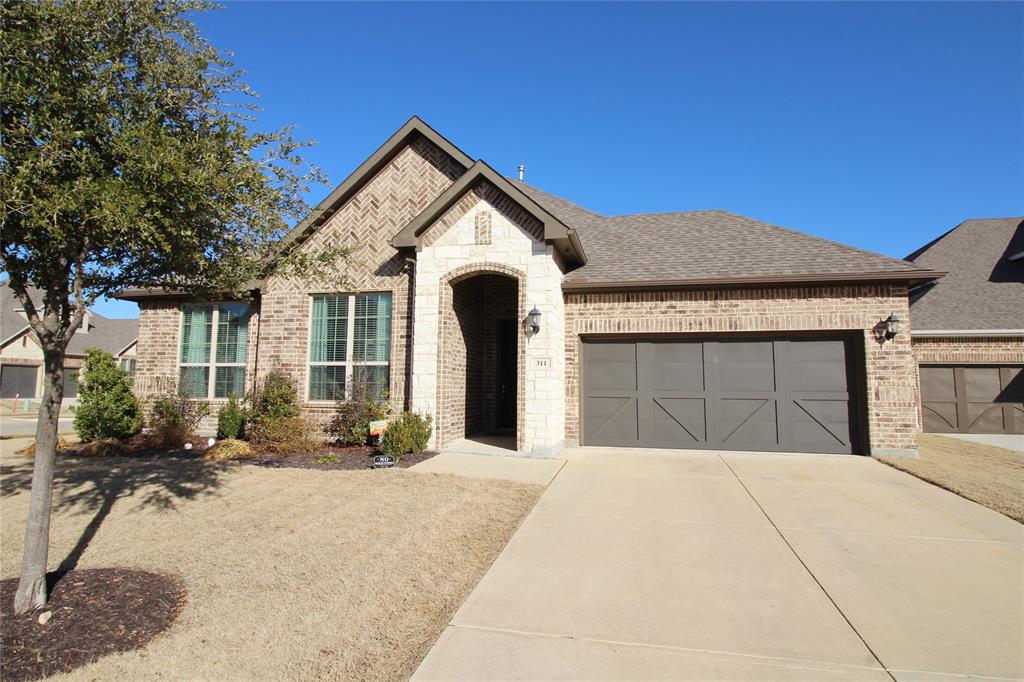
95,612
357,457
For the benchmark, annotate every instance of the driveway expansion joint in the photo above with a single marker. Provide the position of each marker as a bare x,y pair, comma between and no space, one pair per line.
810,572
774,661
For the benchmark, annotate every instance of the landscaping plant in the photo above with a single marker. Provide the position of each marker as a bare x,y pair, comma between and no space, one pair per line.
231,419
274,422
174,418
128,160
228,449
106,407
408,434
350,424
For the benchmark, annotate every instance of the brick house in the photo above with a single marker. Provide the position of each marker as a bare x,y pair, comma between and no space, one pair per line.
700,329
968,335
21,356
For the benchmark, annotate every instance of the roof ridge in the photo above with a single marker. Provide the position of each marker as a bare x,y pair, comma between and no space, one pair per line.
692,212
516,181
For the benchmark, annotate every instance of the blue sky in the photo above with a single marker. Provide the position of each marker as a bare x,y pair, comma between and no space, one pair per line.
876,124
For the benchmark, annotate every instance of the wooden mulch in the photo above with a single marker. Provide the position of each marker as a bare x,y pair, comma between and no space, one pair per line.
94,612
352,457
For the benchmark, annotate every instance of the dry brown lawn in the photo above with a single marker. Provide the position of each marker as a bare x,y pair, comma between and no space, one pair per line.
291,574
989,475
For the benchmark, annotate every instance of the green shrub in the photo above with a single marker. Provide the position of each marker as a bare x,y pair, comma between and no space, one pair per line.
350,424
174,418
228,449
106,407
407,434
231,420
276,399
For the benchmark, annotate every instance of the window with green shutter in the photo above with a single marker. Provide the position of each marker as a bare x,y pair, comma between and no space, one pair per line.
350,345
214,339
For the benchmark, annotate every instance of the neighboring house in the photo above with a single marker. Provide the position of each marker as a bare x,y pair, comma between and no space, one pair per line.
21,358
700,329
968,328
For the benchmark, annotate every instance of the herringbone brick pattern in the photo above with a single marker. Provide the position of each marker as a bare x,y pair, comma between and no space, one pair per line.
386,204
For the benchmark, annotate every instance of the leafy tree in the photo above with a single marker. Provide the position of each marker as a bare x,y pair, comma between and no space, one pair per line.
129,160
106,406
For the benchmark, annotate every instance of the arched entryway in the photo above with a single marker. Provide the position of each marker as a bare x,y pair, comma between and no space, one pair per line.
480,357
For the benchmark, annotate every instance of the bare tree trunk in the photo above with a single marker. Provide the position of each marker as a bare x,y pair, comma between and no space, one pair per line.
31,592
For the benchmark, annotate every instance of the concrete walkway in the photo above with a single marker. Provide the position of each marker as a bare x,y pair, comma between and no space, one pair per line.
519,469
704,565
1009,441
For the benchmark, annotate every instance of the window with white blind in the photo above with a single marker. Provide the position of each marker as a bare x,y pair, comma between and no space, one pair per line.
349,346
213,345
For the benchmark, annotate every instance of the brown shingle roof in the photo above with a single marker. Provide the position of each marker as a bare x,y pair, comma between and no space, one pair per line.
984,289
110,335
709,246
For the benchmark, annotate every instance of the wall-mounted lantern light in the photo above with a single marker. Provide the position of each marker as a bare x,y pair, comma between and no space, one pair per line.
533,321
893,326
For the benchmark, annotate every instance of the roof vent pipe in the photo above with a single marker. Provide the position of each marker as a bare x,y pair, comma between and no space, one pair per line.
522,172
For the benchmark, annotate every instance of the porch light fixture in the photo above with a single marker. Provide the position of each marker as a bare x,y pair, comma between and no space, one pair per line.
893,325
533,321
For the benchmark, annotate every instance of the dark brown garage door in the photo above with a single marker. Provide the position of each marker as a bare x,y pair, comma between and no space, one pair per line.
764,394
972,399
18,381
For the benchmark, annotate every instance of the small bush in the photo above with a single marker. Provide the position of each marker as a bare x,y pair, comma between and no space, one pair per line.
174,418
287,436
407,434
106,407
228,449
276,399
108,447
231,420
351,422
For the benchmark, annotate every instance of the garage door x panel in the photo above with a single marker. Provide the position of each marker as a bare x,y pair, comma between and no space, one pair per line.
728,394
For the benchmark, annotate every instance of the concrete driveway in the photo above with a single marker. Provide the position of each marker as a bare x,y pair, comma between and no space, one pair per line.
704,565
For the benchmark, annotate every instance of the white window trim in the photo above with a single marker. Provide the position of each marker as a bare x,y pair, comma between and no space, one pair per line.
350,337
211,380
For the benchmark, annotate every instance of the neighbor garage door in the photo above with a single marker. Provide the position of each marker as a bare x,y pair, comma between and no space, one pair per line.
18,381
972,399
731,394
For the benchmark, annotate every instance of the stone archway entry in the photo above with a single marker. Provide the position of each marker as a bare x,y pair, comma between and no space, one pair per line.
481,351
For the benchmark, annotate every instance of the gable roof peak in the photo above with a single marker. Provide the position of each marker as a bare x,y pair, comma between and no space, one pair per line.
415,126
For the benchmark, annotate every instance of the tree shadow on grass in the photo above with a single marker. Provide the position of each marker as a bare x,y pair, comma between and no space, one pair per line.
92,485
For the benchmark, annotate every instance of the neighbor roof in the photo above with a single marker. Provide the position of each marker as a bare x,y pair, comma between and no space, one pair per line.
715,247
984,288
111,335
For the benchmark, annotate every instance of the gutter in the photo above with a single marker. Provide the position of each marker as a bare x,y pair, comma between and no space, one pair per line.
861,277
926,333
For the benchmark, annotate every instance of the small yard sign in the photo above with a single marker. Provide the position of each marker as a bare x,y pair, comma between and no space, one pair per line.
383,461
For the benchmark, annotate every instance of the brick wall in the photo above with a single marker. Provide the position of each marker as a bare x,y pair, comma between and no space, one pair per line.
385,204
157,352
891,371
963,350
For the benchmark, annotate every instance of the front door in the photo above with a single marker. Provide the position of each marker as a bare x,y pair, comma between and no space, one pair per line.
507,354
